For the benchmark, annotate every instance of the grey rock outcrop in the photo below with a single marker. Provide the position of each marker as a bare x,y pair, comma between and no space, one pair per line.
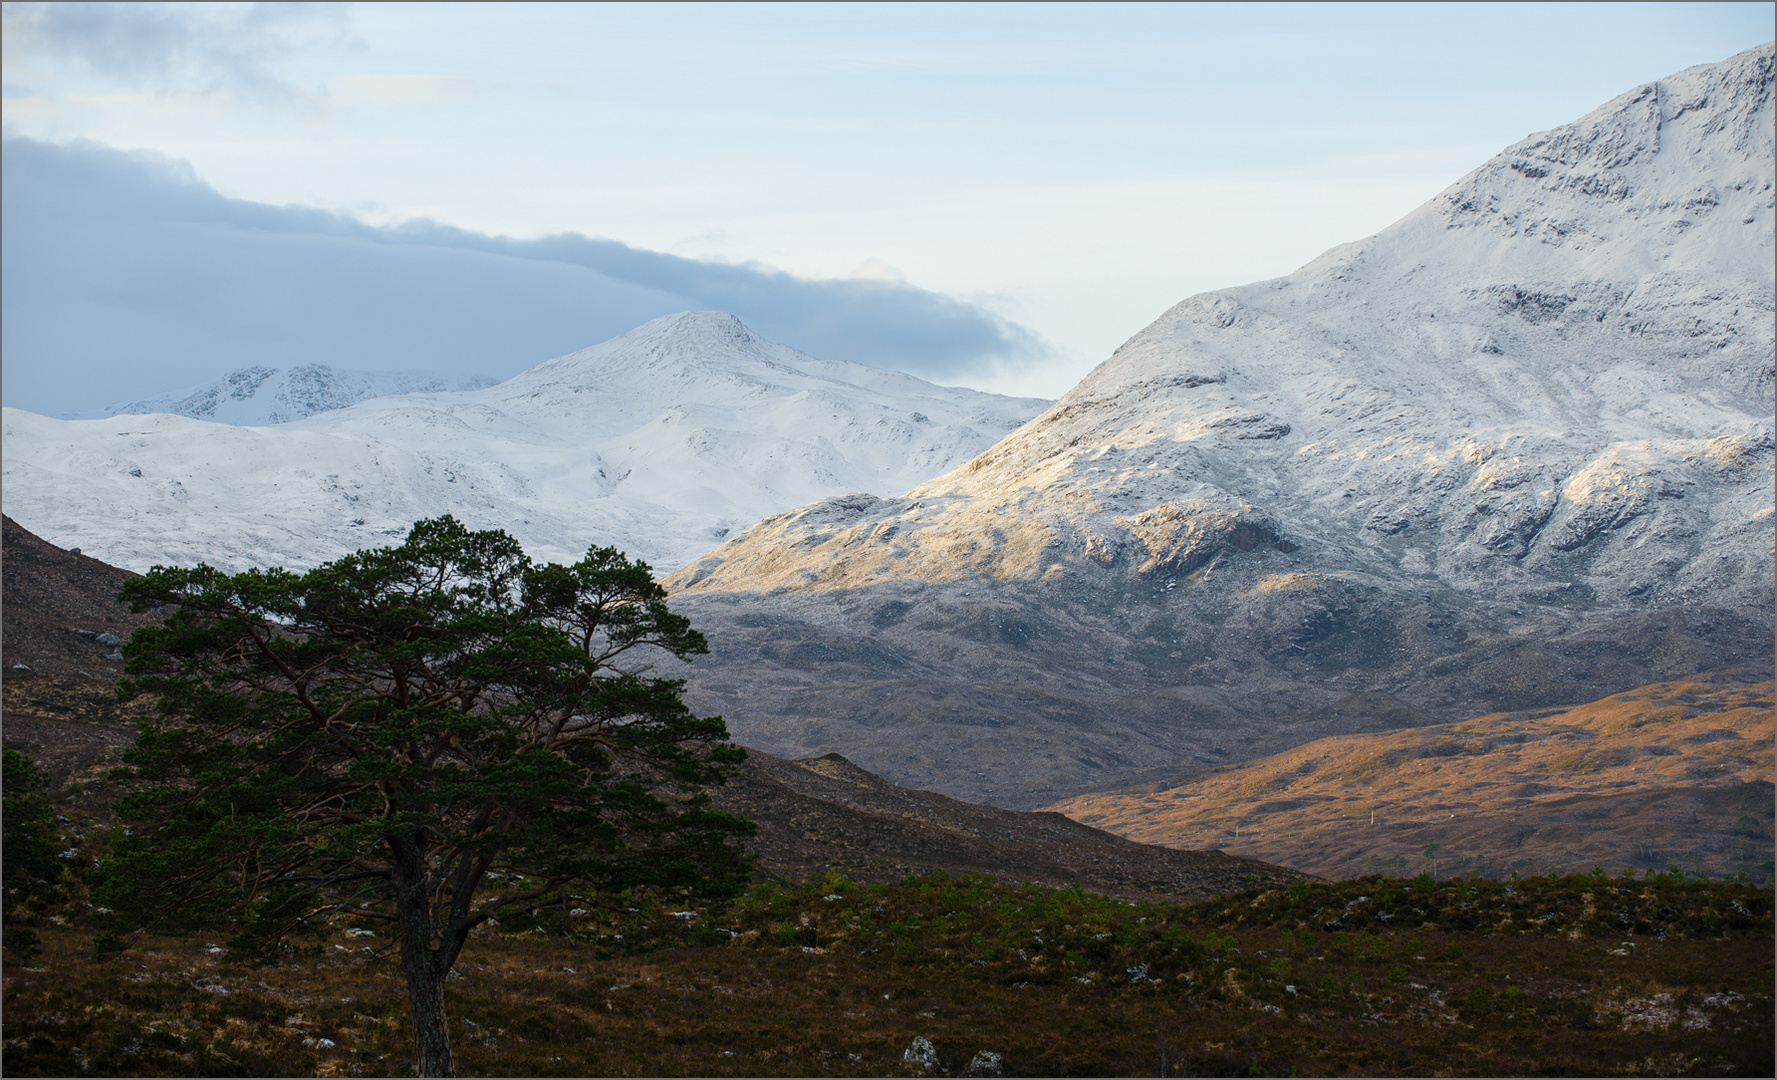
921,1054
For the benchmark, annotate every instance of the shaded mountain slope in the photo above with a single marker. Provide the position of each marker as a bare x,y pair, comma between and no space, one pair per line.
57,604
826,813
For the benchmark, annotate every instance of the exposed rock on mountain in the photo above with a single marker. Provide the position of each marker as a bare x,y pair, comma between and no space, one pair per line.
1514,450
658,442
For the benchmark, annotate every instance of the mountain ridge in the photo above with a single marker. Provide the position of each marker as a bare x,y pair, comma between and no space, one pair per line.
258,395
1514,450
657,442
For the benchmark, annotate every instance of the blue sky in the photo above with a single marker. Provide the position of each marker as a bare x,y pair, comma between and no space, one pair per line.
994,195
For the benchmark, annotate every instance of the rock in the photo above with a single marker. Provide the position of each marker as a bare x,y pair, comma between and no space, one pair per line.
985,1063
109,639
921,1054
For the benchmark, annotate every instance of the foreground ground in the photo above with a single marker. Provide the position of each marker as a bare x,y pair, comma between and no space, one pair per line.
1583,975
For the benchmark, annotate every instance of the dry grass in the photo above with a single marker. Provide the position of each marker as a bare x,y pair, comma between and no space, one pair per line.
1645,779
1627,978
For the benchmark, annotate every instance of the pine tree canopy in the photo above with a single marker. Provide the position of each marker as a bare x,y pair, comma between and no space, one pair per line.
430,735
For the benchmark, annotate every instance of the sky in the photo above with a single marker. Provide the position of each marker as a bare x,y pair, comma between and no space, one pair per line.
985,195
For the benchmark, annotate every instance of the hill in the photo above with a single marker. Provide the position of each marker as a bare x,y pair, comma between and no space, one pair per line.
827,815
1675,774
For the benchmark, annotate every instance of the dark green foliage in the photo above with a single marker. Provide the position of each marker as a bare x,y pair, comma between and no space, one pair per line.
32,869
1675,905
425,736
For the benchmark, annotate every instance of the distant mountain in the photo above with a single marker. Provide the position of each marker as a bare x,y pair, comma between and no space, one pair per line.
262,395
1514,450
659,442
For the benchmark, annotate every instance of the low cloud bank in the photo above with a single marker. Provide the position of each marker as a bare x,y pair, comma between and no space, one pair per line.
123,275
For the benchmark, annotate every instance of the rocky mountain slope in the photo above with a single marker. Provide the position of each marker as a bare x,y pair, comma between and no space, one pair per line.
1673,774
60,613
659,442
61,708
261,395
1513,451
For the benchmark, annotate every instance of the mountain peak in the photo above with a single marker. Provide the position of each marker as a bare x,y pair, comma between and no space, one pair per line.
1641,179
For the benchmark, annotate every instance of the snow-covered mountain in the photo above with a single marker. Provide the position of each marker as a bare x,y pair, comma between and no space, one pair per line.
1555,375
659,441
261,395
1514,449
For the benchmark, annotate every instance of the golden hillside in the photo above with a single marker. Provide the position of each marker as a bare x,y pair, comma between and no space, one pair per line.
1671,774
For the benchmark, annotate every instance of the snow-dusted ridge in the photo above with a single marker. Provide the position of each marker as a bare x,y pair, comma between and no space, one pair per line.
1557,374
259,395
659,441
1513,451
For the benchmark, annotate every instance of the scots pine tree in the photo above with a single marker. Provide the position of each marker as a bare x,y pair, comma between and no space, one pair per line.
30,867
429,736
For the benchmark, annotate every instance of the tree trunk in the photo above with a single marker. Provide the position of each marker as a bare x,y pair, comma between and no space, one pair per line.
431,1033
425,965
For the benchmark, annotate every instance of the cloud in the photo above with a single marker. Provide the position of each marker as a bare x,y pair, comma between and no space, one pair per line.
122,275
172,47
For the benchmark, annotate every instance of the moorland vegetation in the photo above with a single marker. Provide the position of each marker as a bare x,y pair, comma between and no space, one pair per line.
1588,974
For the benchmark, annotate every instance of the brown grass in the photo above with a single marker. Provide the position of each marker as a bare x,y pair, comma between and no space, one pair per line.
837,979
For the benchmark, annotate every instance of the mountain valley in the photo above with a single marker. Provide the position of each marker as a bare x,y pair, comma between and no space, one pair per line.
62,712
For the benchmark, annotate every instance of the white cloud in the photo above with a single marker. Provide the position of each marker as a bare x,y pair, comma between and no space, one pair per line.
169,48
